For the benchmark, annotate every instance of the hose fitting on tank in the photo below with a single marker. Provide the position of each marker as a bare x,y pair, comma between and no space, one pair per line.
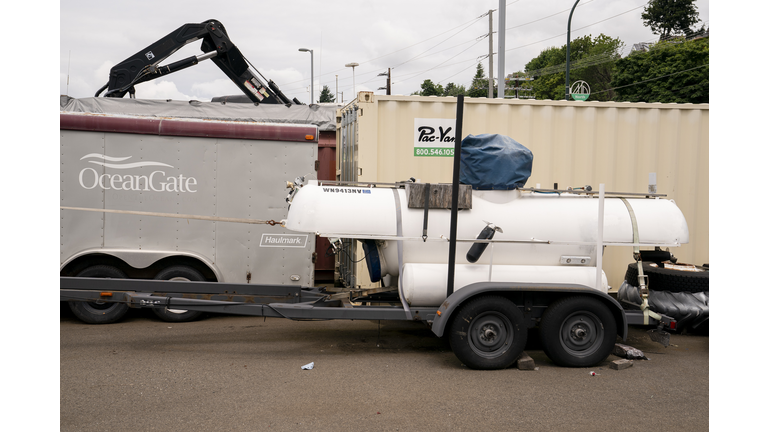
477,249
294,186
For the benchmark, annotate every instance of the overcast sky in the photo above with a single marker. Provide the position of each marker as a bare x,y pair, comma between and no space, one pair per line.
441,40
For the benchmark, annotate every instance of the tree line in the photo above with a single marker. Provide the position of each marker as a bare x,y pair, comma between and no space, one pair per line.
673,70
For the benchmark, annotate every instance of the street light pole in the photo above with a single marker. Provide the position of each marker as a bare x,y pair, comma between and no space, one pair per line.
502,47
568,56
312,73
353,66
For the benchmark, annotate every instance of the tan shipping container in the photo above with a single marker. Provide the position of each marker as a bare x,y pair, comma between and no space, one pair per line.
573,143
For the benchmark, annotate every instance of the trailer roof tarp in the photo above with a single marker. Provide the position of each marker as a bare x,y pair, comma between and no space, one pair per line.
322,116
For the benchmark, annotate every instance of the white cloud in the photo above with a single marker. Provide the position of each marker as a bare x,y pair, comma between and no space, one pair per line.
217,87
377,35
161,89
288,76
102,72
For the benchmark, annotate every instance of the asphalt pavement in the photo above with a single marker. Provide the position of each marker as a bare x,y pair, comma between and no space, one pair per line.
228,373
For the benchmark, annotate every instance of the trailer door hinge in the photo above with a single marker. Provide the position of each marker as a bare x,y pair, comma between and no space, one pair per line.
314,257
317,165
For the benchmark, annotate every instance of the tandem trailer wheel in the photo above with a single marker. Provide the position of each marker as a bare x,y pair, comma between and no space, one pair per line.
577,331
488,333
178,273
99,312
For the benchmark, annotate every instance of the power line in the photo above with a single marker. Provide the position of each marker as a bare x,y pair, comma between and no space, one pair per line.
465,24
533,43
687,87
413,75
594,60
563,34
652,79
580,28
549,16
435,46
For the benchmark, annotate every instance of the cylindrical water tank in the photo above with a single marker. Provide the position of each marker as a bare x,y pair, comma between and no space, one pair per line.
425,284
549,231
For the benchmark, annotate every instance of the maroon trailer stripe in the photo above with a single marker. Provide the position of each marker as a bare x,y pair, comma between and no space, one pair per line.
196,128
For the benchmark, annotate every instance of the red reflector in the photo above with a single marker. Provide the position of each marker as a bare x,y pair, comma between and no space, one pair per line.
672,325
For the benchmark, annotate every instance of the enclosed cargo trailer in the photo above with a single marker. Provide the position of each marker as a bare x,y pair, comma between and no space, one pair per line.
175,166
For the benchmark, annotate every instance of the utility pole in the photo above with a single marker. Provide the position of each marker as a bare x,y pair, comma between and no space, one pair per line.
502,47
490,54
517,86
388,74
337,88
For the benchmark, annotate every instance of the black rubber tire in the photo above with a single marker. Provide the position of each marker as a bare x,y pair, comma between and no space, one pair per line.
488,333
99,312
660,279
182,273
577,331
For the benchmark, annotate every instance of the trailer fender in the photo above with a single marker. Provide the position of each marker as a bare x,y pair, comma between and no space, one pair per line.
459,297
143,258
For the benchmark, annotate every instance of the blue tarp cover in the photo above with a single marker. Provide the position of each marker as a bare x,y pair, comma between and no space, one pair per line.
491,161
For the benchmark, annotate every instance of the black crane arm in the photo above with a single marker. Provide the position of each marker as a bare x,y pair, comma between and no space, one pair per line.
144,65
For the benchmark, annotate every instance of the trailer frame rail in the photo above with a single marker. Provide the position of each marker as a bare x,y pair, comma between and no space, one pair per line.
278,301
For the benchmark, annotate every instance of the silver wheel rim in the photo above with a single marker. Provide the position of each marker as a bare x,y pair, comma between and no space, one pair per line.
581,334
177,311
490,334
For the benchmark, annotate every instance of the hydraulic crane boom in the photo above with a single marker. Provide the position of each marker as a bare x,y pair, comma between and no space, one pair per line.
144,65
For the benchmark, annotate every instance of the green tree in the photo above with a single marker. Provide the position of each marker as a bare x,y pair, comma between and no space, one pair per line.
326,96
549,76
592,60
479,86
670,72
428,88
668,18
452,89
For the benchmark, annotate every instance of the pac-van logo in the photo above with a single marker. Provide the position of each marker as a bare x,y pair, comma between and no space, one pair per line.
433,136
157,181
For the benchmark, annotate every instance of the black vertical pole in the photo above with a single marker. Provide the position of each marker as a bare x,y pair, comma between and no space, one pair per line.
568,56
455,193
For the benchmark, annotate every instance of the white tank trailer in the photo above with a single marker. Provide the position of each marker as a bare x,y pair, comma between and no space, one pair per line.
540,237
534,241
